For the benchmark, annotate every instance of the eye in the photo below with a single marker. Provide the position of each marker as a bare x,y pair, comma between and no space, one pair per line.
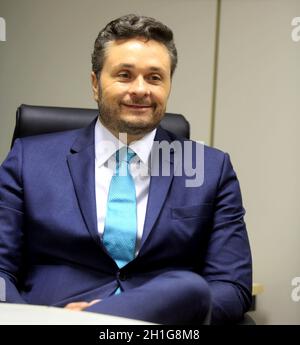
124,75
155,77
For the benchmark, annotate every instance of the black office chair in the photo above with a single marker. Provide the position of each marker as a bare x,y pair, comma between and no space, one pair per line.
32,120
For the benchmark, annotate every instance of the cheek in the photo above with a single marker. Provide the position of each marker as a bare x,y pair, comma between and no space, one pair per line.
161,97
161,94
114,91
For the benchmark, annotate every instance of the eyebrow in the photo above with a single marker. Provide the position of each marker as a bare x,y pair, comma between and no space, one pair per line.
130,66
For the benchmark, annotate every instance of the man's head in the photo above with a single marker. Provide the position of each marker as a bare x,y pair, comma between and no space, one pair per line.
132,26
133,62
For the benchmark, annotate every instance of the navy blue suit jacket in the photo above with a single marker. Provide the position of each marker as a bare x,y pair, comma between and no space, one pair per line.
50,249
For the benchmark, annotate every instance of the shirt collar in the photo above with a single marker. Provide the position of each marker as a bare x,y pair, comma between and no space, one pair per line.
106,144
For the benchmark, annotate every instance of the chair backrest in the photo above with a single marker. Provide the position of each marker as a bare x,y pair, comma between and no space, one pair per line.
32,120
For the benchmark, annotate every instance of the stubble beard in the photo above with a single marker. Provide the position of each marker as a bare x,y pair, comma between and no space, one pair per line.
111,118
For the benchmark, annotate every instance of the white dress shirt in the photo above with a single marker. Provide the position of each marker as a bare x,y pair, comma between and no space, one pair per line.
106,145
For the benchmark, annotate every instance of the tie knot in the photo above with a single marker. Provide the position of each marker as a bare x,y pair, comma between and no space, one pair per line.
125,154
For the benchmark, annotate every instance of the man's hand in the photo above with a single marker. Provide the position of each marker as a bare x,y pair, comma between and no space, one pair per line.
79,306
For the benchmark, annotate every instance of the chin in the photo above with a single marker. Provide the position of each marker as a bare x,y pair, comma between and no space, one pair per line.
137,127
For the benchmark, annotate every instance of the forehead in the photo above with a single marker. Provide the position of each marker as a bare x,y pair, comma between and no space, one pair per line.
137,52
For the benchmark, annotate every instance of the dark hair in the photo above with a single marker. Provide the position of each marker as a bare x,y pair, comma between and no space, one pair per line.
131,26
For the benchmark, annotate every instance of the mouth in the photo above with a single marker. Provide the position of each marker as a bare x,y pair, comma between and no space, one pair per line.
137,106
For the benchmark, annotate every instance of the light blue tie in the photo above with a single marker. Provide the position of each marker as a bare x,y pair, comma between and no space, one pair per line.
120,227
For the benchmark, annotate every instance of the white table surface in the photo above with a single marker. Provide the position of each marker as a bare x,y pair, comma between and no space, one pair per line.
24,314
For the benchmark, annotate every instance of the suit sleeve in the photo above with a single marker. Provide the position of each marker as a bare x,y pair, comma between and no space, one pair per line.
228,263
11,225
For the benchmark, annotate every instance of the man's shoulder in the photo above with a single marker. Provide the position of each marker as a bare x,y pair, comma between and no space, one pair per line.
49,137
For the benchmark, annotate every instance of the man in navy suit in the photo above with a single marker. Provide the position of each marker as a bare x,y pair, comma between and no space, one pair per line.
192,258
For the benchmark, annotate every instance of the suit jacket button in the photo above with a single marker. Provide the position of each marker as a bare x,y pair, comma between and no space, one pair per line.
122,275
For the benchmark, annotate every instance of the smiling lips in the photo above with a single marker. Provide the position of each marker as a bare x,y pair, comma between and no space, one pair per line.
138,106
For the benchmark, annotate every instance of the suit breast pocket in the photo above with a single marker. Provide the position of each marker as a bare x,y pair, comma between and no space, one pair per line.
194,211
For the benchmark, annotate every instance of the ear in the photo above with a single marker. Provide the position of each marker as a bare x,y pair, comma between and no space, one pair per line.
95,86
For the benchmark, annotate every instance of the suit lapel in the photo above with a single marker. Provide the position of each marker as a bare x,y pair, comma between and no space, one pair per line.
159,185
81,164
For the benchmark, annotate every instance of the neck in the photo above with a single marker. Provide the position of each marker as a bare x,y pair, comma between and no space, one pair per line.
125,138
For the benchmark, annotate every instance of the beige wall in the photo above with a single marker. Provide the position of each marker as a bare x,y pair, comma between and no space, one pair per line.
258,121
46,61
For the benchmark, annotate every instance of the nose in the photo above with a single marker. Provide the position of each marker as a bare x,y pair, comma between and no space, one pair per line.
139,87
